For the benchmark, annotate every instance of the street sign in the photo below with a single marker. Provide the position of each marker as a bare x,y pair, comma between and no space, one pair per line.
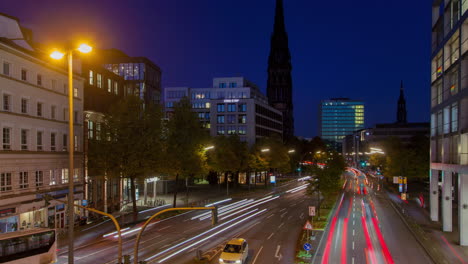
311,210
405,180
403,196
307,247
400,187
308,226
395,179
400,179
272,179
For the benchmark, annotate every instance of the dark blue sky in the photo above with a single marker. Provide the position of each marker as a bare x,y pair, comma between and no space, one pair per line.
357,49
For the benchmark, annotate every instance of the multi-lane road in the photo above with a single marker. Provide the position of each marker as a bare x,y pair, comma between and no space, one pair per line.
365,229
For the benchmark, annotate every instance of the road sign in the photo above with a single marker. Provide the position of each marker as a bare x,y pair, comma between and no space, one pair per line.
405,180
307,247
395,179
400,187
272,179
308,226
400,179
403,196
311,210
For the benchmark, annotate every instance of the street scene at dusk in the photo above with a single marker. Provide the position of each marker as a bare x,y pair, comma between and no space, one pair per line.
233,132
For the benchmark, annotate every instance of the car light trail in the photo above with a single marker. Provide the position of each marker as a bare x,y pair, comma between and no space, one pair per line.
326,253
236,212
115,232
155,208
368,241
218,202
210,236
386,252
300,189
221,209
343,241
190,239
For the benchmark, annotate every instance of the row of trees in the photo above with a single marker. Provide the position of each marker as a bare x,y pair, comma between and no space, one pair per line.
136,142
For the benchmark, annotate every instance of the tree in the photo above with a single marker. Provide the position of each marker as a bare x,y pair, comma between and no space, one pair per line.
130,143
185,145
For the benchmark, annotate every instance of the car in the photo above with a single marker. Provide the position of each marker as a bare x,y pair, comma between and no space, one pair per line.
236,251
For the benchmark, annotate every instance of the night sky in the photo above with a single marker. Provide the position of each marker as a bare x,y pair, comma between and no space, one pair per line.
357,49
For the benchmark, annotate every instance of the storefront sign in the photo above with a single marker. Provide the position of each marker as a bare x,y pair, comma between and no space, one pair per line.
231,100
154,179
8,211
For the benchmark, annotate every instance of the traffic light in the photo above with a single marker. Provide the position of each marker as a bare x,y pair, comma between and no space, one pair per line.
298,169
363,163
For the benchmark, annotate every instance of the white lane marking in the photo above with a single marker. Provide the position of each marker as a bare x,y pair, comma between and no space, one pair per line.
271,235
164,228
353,221
256,256
282,209
302,216
289,217
292,205
270,215
276,254
282,215
352,260
353,215
353,232
281,225
353,245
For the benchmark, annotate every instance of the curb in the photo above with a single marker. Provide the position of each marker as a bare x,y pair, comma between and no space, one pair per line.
431,255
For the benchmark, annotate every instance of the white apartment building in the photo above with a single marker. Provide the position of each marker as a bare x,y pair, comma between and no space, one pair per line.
34,134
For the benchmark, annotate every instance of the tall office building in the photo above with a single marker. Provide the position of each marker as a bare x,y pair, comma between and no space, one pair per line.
449,114
279,84
340,117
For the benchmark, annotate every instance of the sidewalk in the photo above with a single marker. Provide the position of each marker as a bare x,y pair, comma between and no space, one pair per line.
199,195
441,246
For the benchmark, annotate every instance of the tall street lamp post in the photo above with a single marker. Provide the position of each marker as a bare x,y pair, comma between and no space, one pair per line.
71,146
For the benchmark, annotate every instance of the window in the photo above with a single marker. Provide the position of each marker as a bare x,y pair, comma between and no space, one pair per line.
64,142
231,119
39,80
75,174
53,108
242,119
242,108
231,107
39,140
6,68
220,108
446,119
109,85
39,178
220,119
54,84
91,77
24,106
5,181
24,74
99,80
98,131
116,88
220,130
75,116
23,180
454,117
53,177
169,104
75,92
52,141
39,109
7,102
90,130
64,175
222,85
242,130
6,138
24,139
232,85
231,130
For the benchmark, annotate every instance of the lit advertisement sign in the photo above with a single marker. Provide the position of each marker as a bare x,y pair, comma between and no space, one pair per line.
231,100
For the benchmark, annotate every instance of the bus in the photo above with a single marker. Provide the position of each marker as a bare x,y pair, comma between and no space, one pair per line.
32,246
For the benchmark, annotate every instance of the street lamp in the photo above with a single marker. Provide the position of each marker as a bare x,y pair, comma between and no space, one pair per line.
209,147
57,55
291,151
265,150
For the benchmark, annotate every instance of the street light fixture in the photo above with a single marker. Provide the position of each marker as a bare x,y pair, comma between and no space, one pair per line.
209,147
291,151
57,55
265,150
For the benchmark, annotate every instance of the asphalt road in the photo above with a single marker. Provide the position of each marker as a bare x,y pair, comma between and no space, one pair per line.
365,229
271,224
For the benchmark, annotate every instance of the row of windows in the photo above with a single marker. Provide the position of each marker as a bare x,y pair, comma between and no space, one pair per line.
231,130
445,121
94,130
27,179
224,85
39,109
219,95
205,115
176,94
26,137
268,113
231,107
201,105
112,86
268,123
131,71
25,75
231,119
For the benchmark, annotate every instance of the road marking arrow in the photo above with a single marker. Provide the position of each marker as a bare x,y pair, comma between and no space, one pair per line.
276,254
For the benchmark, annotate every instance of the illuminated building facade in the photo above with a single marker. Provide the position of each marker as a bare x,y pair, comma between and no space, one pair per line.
340,117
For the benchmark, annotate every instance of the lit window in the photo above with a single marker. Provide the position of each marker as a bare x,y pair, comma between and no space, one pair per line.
220,119
109,85
91,77
64,175
53,177
220,130
99,80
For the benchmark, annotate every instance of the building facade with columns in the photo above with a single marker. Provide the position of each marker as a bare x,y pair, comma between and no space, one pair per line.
449,116
34,133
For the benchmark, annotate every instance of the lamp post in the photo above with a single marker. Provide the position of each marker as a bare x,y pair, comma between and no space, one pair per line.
57,55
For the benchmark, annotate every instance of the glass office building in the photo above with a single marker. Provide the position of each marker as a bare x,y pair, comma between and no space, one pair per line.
340,117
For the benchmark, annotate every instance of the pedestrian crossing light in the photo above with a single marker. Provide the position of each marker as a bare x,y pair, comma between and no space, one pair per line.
298,169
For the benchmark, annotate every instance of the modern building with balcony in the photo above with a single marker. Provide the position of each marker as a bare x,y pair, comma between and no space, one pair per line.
34,133
231,106
339,117
449,115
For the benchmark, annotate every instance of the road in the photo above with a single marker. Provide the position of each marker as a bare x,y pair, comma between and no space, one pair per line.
270,222
365,229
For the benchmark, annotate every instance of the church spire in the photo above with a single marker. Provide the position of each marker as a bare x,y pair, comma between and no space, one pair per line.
401,110
279,85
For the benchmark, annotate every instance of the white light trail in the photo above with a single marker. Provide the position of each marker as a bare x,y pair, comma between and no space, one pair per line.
218,202
115,232
236,212
155,208
222,208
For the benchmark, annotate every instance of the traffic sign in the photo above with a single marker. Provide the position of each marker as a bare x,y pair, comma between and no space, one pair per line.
403,196
405,180
395,179
400,179
311,210
307,247
308,226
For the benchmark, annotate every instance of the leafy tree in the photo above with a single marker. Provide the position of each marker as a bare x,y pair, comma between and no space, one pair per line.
130,143
185,145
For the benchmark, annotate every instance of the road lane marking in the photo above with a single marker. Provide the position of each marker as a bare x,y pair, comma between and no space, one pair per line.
282,209
282,215
302,216
270,215
352,260
292,205
276,254
256,256
353,245
271,235
165,227
353,222
353,232
281,225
